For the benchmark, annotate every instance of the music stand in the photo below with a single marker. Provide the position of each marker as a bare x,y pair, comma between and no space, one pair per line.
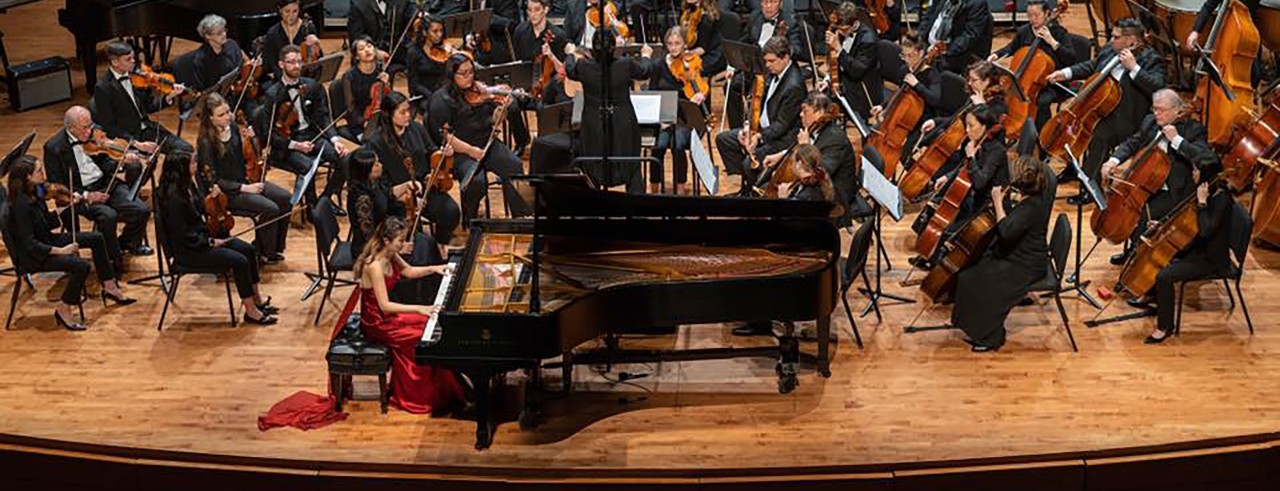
744,57
690,115
517,74
706,171
18,151
464,23
1088,190
633,50
886,194
326,68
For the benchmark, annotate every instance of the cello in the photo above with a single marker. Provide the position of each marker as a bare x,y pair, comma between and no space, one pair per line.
1232,47
1033,66
962,250
1076,120
900,117
1158,247
1266,204
876,13
928,162
1127,196
1260,139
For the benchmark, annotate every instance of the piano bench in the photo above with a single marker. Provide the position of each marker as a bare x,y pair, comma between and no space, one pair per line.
351,354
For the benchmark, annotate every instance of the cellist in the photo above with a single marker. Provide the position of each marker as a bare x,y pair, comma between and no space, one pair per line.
1052,35
925,80
820,127
1206,14
1209,252
860,81
1186,142
985,89
1141,73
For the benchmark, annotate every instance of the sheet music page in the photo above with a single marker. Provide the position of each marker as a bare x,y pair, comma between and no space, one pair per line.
881,190
648,107
702,163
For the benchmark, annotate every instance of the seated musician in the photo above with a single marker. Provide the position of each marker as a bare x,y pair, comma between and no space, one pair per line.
371,200
415,388
123,110
965,25
707,37
820,127
1209,253
217,56
779,119
586,67
426,68
860,82
812,181
292,29
673,137
38,248
395,136
503,17
925,80
221,150
181,202
356,83
295,146
1016,259
763,25
985,89
1141,73
102,182
469,109
1184,139
1052,40
582,32
535,38
383,22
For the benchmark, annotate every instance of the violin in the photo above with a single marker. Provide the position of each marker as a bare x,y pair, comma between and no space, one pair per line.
246,83
61,195
377,91
689,20
438,53
607,17
311,52
1127,196
441,177
254,162
833,59
99,144
687,69
1072,127
500,94
218,219
143,78
286,116
1034,64
546,67
900,117
1232,46
757,105
962,250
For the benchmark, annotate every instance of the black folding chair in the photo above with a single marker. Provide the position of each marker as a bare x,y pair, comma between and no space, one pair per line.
855,265
23,275
1051,284
177,270
1241,229
332,255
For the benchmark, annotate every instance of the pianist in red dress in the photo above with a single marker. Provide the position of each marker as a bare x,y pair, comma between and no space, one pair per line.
414,388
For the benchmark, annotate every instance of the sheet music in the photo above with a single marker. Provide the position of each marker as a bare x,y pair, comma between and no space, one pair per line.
648,108
881,190
702,163
301,184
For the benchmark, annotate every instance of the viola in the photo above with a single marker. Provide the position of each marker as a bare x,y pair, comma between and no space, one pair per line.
689,20
218,220
900,117
687,69
1232,45
499,94
144,78
311,52
99,144
1157,249
254,162
962,250
1072,127
286,116
247,79
1127,196
546,67
377,91
833,60
61,195
607,17
438,53
1033,64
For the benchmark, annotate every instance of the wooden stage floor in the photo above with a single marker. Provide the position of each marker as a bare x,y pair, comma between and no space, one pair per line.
199,385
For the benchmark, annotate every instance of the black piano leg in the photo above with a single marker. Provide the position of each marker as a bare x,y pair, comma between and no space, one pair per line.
89,54
824,343
788,363
484,409
531,413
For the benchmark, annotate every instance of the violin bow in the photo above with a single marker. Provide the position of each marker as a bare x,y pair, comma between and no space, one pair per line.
268,222
332,121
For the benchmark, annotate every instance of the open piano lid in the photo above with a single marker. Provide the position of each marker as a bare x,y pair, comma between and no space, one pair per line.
566,196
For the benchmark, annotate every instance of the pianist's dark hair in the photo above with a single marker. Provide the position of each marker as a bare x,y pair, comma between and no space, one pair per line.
390,229
117,49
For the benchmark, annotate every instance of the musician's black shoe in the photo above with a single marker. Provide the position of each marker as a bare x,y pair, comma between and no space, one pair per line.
1152,339
1067,175
758,328
919,262
1119,259
271,259
1077,200
265,320
982,348
1140,303
141,250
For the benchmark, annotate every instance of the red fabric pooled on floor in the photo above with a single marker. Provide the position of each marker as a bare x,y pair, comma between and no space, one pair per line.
302,410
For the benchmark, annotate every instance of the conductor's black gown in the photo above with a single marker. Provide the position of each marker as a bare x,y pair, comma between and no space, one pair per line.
1018,258
626,128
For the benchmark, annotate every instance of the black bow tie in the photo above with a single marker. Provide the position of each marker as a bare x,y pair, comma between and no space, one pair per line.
123,78
292,86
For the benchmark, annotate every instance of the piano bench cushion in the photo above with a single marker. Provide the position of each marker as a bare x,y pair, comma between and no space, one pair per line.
351,354
342,260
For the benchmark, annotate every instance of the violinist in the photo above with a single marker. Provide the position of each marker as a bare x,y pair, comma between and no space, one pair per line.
371,201
1017,258
102,182
1184,139
1052,37
784,91
221,146
181,202
663,76
965,25
581,28
763,25
536,38
701,22
469,108
383,22
357,82
124,110
297,135
1141,72
217,56
292,29
426,59
395,137
504,15
1208,254
860,82
587,67
38,248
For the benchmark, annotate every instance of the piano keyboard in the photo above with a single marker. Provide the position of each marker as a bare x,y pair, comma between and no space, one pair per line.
431,334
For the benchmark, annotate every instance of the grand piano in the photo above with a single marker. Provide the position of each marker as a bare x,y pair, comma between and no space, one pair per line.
595,264
159,21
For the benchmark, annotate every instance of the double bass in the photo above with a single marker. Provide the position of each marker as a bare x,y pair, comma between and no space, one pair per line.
1076,120
1232,46
900,117
1032,65
1127,196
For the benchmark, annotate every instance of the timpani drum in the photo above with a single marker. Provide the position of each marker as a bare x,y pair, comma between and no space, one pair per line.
1180,17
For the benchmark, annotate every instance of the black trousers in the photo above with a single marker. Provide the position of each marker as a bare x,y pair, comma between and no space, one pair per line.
237,255
119,208
739,100
1111,132
445,215
1181,269
271,203
77,268
169,143
299,163
501,161
675,138
734,157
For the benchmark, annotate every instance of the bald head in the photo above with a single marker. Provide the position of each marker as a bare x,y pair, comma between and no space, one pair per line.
78,121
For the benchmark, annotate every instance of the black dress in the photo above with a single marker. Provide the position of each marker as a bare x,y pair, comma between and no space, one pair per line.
425,77
626,128
369,204
1018,258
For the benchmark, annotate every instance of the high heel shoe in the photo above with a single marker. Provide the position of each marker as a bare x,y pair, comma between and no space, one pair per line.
265,320
70,326
118,300
1154,340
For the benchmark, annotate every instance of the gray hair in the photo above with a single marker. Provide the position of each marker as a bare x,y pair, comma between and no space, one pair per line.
75,114
1171,96
210,23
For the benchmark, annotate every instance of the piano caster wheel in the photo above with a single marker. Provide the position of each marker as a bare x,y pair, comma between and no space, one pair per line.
787,380
529,419
484,436
825,372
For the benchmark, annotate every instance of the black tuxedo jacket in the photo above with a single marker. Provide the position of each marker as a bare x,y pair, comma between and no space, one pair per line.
1135,103
1193,151
860,79
784,110
116,113
61,167
364,19
315,107
839,160
969,39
